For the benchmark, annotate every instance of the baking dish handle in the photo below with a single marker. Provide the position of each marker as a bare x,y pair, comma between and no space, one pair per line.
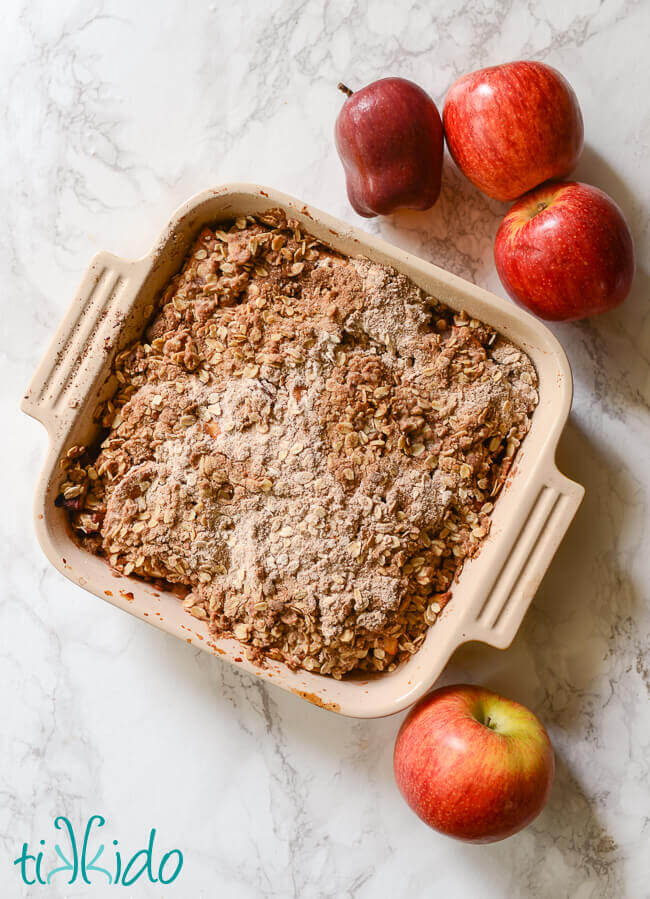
80,346
509,597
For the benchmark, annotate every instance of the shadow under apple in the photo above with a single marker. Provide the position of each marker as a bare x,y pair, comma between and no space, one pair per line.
457,233
610,353
532,862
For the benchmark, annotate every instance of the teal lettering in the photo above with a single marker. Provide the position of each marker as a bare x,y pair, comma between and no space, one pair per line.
76,858
118,866
67,866
147,853
39,861
92,867
164,861
22,860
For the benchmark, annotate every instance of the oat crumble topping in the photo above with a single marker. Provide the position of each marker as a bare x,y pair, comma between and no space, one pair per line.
306,444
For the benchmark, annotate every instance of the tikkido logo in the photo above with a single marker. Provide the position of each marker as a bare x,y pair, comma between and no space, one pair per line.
82,864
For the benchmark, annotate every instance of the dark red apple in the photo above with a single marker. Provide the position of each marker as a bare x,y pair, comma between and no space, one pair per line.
472,764
565,251
389,138
512,126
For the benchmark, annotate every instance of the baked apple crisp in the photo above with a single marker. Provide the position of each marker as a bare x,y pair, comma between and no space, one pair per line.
306,444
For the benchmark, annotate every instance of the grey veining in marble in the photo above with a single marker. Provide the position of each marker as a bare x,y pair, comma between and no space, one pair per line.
113,113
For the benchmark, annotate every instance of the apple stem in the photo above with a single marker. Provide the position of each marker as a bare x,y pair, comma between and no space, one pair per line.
346,90
540,207
488,721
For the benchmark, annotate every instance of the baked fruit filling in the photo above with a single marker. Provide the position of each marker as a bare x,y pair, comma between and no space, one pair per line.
305,445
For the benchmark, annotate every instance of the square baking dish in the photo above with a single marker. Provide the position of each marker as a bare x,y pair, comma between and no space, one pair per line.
494,590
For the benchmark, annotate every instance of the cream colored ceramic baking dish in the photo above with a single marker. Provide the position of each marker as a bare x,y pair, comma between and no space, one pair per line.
494,590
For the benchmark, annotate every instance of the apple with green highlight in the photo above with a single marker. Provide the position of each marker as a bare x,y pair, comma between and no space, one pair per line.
473,765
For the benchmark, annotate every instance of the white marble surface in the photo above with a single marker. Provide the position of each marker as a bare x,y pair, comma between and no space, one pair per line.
114,112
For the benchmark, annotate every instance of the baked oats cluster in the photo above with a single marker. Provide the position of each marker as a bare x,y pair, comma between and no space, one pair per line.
306,444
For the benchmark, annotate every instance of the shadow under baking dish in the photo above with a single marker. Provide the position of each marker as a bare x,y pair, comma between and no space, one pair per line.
494,590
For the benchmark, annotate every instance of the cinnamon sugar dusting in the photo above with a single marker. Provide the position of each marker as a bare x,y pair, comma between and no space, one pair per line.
306,444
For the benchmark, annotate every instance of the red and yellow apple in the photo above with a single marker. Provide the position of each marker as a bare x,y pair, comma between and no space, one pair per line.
512,126
472,764
389,138
565,251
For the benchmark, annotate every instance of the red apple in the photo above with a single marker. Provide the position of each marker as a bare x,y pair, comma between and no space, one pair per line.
565,251
389,138
512,126
472,764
